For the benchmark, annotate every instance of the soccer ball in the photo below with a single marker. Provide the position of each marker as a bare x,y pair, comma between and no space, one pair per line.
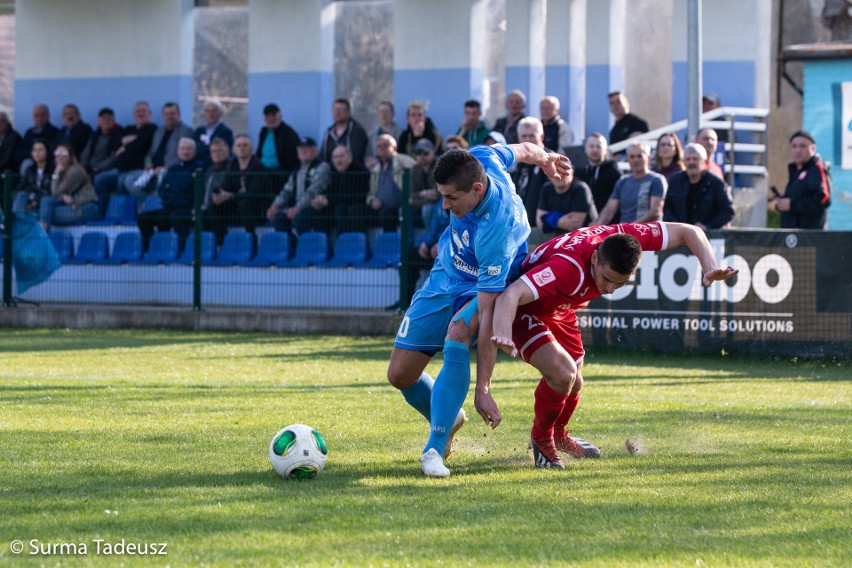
297,452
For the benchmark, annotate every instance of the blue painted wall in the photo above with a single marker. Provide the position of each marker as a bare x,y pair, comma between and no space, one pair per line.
822,113
92,94
305,99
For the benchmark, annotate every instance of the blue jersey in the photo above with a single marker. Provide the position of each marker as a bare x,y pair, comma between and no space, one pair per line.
482,247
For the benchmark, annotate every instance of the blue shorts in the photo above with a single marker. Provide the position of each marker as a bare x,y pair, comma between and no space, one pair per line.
424,326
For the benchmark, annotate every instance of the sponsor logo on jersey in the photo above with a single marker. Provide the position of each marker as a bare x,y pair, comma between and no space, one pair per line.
466,238
544,277
564,306
494,270
457,240
655,230
461,265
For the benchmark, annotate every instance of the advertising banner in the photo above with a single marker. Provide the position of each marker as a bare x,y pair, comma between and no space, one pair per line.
792,297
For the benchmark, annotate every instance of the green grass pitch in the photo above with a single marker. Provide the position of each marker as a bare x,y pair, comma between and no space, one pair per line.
162,437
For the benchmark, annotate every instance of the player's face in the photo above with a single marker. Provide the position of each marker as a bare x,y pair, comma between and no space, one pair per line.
460,203
607,280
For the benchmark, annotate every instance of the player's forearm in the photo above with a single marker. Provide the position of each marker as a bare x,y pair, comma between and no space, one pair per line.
695,240
505,309
528,153
486,351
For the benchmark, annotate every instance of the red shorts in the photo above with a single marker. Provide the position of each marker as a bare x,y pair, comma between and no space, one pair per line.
530,332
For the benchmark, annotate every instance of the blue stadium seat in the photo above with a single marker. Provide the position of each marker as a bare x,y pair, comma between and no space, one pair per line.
152,203
163,249
121,211
237,248
63,242
273,250
350,249
386,254
311,250
93,246
208,248
127,248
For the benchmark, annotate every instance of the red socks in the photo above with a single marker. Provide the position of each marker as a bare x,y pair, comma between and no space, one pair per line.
549,407
571,402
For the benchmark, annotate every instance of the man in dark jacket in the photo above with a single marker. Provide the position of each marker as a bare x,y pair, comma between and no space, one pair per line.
277,153
808,195
177,192
696,196
599,173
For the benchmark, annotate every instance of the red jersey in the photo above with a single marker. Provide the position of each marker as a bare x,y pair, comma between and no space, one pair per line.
559,272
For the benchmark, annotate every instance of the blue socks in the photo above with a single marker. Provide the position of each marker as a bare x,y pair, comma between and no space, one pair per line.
449,393
419,395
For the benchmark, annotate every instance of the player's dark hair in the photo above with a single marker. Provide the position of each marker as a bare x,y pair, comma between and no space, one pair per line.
621,252
472,103
459,169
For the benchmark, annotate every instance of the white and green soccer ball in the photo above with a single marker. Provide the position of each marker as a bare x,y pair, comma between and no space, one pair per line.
298,452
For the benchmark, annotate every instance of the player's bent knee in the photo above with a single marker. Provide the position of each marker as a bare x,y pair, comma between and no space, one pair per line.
459,332
578,384
399,379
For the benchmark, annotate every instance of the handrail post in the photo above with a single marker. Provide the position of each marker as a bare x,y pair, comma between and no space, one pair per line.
405,238
198,183
9,219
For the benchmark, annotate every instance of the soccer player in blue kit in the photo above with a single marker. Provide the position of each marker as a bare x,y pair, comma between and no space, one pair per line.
478,254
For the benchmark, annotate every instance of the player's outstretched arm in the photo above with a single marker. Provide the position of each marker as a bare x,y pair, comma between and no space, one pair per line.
486,355
552,164
505,309
694,238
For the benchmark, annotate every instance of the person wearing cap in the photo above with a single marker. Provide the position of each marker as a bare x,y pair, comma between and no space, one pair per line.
711,101
807,197
626,123
472,129
424,192
516,104
493,138
244,193
277,152
420,126
296,209
99,153
697,197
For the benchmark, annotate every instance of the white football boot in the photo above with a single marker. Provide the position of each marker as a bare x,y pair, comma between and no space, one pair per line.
433,465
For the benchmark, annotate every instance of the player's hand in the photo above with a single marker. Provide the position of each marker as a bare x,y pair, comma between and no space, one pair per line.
719,274
505,344
556,166
487,408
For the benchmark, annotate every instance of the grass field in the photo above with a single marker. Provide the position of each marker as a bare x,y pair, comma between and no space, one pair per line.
161,437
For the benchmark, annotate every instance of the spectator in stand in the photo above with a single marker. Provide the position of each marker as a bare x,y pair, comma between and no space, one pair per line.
386,178
599,173
668,159
807,197
565,205
495,137
74,131
177,192
626,124
162,155
245,192
696,196
130,155
277,152
516,104
711,101
557,133
9,142
213,127
296,210
639,196
419,127
43,130
423,191
35,183
350,184
346,131
708,138
529,178
472,129
216,173
72,197
99,154
387,125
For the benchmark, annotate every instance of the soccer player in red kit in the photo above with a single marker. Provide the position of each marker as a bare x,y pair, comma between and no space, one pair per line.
536,316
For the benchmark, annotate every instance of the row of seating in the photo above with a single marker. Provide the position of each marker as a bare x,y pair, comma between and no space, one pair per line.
312,249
